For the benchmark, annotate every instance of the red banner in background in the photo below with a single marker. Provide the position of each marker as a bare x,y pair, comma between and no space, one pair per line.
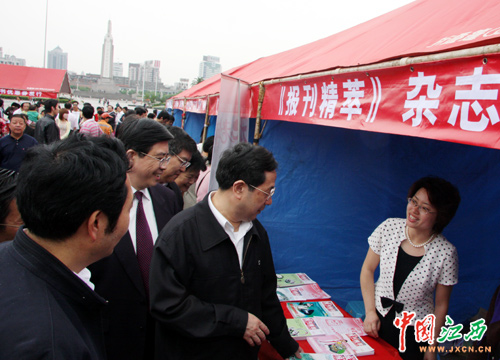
452,100
196,105
29,93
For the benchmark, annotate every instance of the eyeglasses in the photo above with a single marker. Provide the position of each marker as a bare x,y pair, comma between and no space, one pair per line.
414,203
163,161
269,194
184,163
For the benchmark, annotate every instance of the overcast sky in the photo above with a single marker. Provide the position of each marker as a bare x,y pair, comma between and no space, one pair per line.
178,33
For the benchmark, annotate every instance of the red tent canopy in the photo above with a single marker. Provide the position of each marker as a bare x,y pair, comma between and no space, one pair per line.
447,98
419,28
33,82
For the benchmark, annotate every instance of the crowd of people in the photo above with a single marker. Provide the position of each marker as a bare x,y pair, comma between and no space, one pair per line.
101,257
113,247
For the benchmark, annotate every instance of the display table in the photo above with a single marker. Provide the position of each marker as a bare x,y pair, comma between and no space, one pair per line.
383,351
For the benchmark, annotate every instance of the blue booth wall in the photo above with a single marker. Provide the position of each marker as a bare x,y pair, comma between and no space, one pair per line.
335,186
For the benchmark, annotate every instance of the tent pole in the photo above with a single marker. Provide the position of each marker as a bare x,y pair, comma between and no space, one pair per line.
257,135
183,120
207,121
405,61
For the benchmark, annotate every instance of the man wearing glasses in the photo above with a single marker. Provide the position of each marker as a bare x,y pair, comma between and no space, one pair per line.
213,283
122,278
181,149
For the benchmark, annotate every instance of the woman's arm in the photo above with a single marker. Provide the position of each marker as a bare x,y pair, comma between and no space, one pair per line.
372,322
442,301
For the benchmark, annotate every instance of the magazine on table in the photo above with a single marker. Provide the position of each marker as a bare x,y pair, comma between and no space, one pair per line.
313,308
301,293
306,356
341,326
293,279
351,344
301,329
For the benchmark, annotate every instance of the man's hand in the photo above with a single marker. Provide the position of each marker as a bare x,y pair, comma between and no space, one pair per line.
297,354
256,331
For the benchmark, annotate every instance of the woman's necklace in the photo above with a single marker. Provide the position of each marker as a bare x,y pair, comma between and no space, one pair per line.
420,245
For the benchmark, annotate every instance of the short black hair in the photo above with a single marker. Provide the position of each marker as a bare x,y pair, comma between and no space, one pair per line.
197,162
49,104
88,111
142,134
181,141
60,185
151,115
8,182
208,147
443,195
139,110
245,162
67,105
163,115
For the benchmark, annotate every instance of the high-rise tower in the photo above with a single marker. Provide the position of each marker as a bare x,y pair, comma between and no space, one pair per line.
107,55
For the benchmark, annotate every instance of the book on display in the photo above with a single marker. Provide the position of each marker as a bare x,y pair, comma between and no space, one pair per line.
301,293
313,308
350,344
293,279
341,326
358,345
301,329
306,356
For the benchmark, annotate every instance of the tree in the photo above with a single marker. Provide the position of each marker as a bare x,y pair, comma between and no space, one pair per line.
197,81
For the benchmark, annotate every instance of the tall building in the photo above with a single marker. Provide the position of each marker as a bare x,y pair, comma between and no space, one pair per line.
11,59
57,59
117,69
209,67
107,55
151,71
134,71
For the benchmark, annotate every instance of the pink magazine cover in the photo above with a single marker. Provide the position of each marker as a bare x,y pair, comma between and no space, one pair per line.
341,326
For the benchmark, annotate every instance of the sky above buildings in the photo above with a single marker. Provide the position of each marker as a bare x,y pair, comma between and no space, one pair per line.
178,33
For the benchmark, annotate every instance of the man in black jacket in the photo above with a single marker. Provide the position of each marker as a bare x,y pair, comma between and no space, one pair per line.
213,283
74,197
46,130
122,278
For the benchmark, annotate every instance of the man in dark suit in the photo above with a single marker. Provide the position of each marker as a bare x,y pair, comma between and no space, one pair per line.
122,278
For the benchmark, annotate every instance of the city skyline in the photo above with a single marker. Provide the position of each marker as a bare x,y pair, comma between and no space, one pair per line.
174,35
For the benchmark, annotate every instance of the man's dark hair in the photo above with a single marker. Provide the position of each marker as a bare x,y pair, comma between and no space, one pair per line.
22,116
62,184
50,104
443,195
129,112
197,162
244,162
1,102
181,141
139,110
88,111
208,147
15,105
68,105
163,115
142,134
151,116
8,182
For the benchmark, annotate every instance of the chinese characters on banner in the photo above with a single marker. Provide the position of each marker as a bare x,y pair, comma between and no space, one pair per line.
4,91
424,329
453,100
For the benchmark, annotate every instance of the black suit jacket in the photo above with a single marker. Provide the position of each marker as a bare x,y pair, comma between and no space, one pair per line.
128,325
